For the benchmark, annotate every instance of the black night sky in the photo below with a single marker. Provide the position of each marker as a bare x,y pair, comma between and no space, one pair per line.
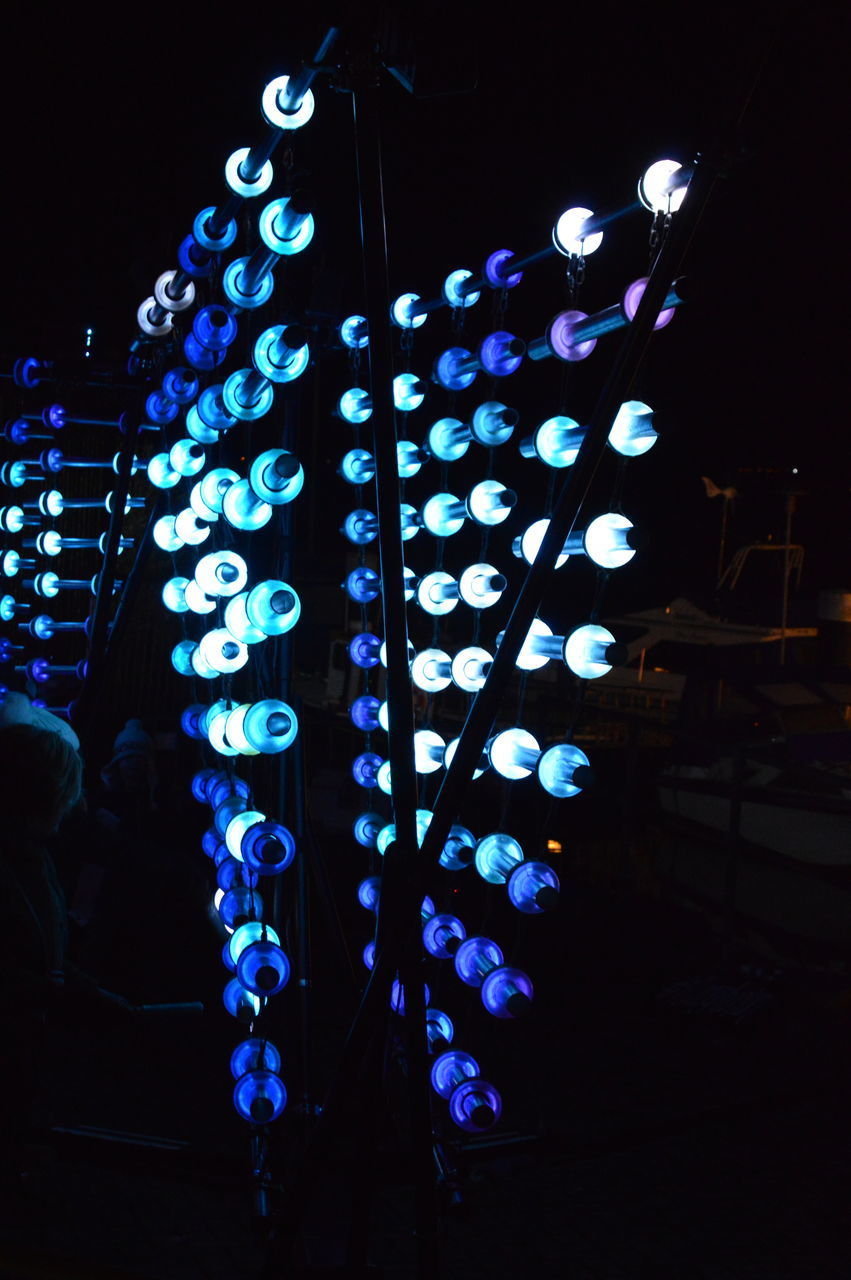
114,147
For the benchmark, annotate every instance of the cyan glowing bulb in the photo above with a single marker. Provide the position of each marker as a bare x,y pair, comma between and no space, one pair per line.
556,442
263,968
403,311
459,850
270,726
489,502
514,753
408,392
355,405
528,544
533,887
360,526
449,756
237,827
564,770
539,646
221,652
428,750
196,599
574,234
245,935
165,536
216,725
357,467
606,541
189,529
181,657
475,959
493,423
214,487
443,515
663,186
437,593
221,573
448,439
591,651
470,667
382,653
354,333
481,586
187,457
161,473
496,857
475,1105
273,606
276,476
281,354
286,225
632,431
443,935
457,290
507,992
384,778
237,621
241,1004
431,670
243,509
387,835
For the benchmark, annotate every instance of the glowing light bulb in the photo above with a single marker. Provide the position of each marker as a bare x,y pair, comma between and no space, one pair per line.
496,857
663,186
574,234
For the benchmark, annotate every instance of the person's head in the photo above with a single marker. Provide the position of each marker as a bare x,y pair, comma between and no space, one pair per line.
41,778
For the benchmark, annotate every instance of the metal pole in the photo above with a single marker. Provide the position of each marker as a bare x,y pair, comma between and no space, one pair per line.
399,925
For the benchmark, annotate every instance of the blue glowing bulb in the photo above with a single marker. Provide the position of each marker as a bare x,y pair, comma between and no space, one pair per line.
364,713
360,526
533,887
457,291
437,593
450,1070
493,423
403,311
475,959
161,473
397,997
270,726
354,333
245,935
357,467
253,1055
481,586
369,892
214,486
366,828
365,769
363,585
259,1097
281,354
243,509
268,847
263,968
364,650
221,573
507,992
475,1105
439,1029
240,1003
442,936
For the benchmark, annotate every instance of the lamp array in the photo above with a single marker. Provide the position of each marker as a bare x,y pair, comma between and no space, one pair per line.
608,540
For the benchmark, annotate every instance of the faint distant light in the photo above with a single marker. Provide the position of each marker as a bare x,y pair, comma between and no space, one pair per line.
794,471
90,333
554,846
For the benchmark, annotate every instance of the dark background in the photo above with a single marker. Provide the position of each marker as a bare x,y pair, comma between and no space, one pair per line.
115,137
